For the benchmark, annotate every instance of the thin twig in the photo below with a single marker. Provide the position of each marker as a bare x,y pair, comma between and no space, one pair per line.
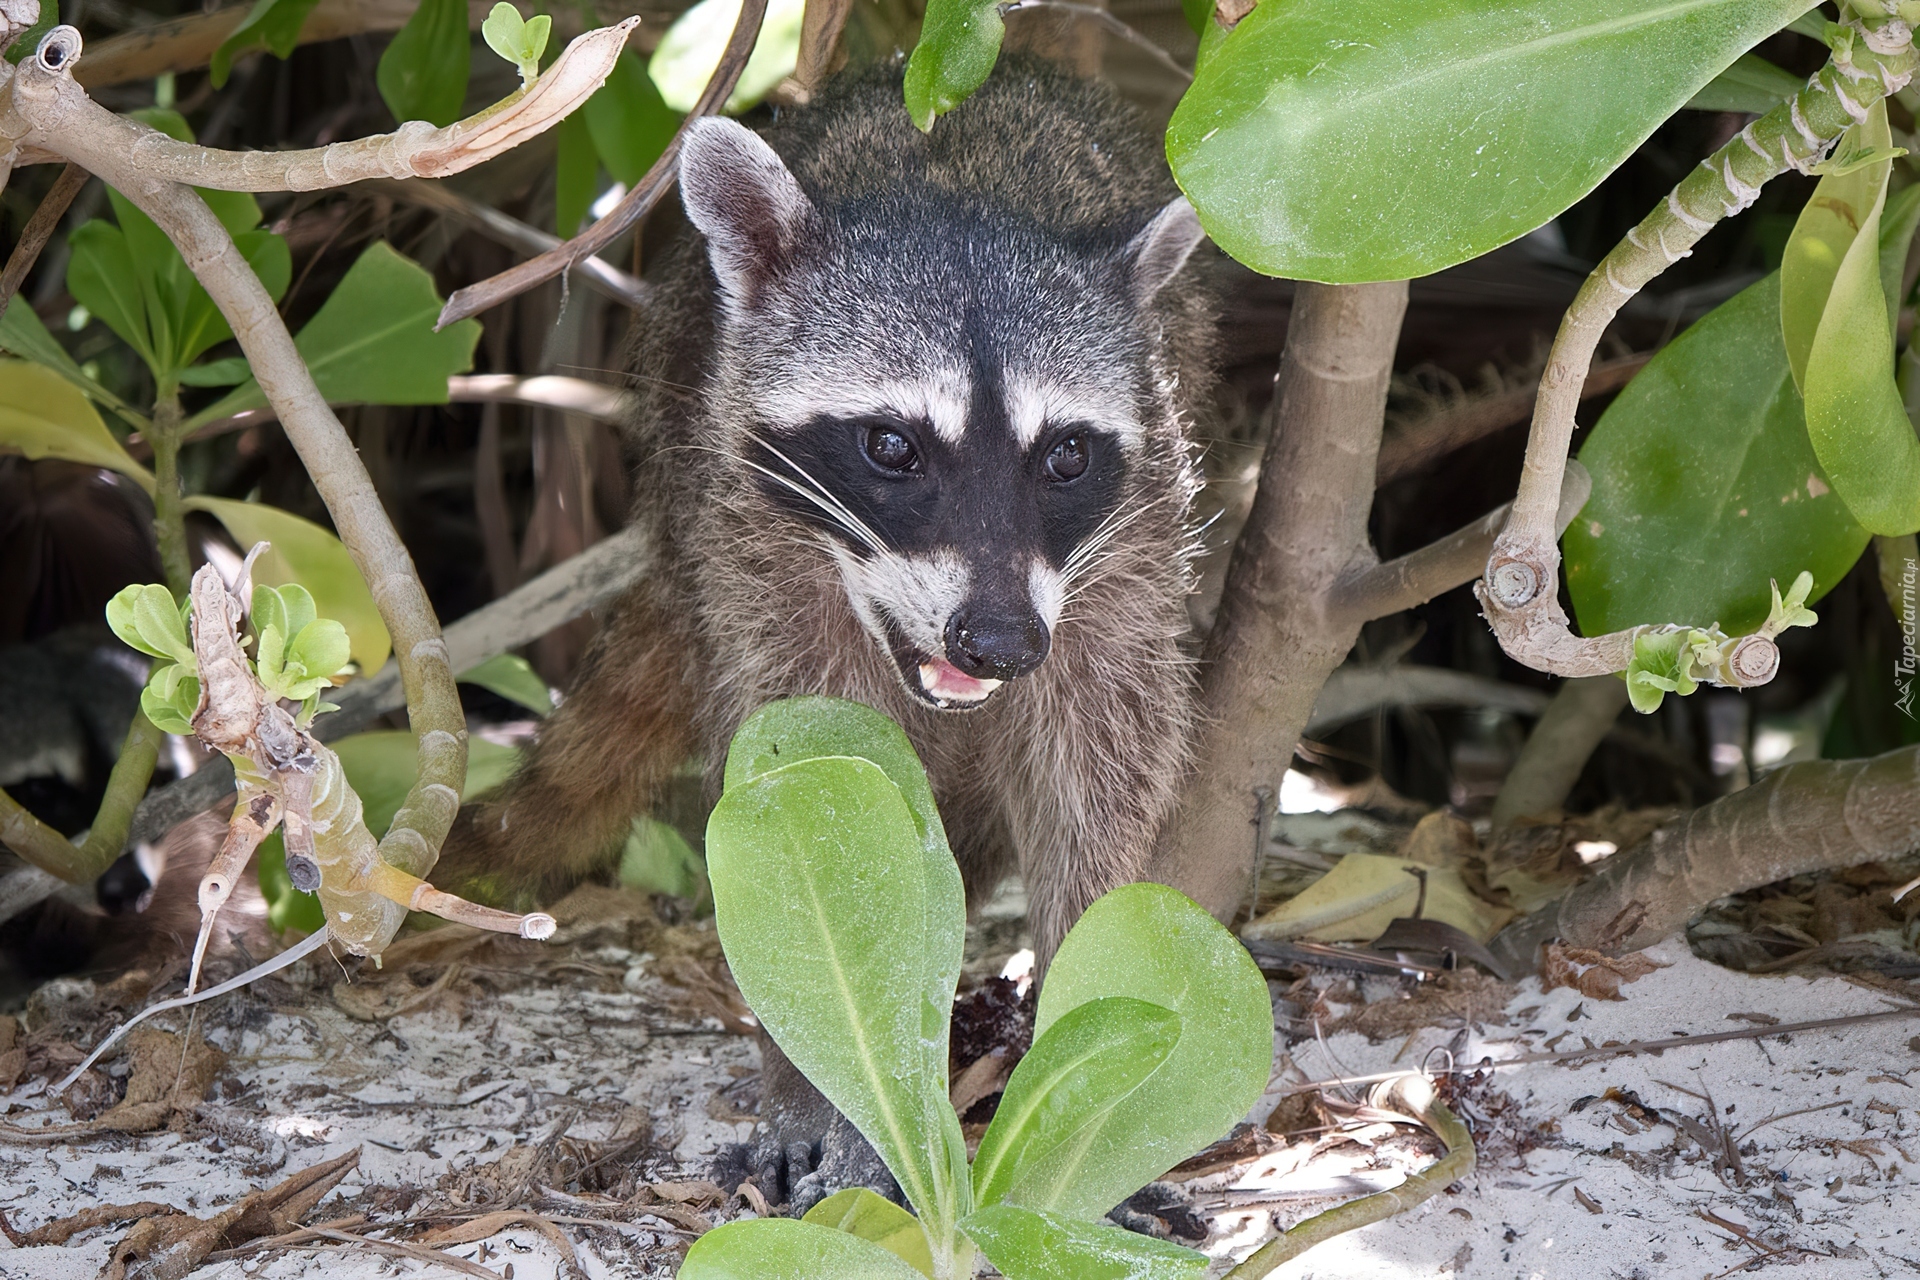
1631,1047
1101,17
633,206
39,229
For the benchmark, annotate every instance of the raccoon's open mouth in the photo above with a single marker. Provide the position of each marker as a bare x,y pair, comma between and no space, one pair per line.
934,680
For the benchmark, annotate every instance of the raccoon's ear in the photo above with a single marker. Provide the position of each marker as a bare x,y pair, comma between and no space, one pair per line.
740,195
1162,248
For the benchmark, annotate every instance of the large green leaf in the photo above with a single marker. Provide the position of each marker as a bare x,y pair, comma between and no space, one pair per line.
1083,1067
1028,1245
270,24
1327,140
630,122
513,678
785,1249
423,73
1705,486
1826,228
807,728
1152,943
1898,222
23,333
860,1212
820,887
102,277
372,341
305,553
959,42
45,416
1855,416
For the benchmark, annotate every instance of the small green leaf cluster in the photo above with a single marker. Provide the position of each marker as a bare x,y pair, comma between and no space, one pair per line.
296,652
839,906
519,40
1676,659
146,618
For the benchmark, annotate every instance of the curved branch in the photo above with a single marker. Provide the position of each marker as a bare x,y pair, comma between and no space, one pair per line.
43,98
415,150
633,206
1520,588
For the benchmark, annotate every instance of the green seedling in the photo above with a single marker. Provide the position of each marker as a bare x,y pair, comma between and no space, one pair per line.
519,40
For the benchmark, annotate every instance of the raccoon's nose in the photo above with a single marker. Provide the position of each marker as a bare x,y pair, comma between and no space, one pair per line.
988,647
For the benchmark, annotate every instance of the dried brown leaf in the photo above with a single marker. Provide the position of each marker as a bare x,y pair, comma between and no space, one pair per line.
1592,973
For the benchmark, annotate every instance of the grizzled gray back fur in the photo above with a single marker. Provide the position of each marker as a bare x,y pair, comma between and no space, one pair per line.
1002,307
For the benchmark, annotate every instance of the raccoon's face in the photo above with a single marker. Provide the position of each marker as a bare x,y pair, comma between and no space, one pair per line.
952,400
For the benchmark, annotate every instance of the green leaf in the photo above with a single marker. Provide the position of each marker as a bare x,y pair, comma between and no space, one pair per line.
270,24
690,51
576,172
1662,663
1705,485
1855,415
797,729
302,552
658,859
513,678
1082,1068
1752,85
959,42
520,41
1028,1245
146,618
172,712
218,373
1152,943
1824,231
859,1212
22,333
785,1249
630,122
1198,13
423,73
42,415
821,889
319,651
1340,142
372,341
102,277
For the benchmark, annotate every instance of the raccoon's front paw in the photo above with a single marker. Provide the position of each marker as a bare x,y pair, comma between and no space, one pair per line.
802,1173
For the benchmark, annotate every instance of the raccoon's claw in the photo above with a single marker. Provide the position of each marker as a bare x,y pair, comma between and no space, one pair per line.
1163,1210
800,1173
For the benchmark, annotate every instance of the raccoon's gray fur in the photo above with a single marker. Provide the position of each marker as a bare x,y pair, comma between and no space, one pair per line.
1026,245
1002,304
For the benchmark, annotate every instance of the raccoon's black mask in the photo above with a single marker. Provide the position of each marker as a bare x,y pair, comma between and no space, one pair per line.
953,397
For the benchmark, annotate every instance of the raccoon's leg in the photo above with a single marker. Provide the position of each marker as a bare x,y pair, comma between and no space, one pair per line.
1092,771
602,759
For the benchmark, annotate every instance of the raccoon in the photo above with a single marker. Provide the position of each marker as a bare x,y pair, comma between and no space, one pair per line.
914,427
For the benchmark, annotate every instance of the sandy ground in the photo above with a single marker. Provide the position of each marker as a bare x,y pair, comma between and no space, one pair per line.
587,1051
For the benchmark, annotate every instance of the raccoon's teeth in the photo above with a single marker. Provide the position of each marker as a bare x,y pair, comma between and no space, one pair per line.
947,683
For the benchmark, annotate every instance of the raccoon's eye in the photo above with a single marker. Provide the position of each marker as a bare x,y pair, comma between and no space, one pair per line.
890,450
1068,459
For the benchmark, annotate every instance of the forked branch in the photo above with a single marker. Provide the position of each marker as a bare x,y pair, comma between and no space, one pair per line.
1520,588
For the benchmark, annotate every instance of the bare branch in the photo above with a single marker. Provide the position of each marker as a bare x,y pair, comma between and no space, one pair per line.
1458,558
1579,717
39,229
1823,815
44,99
415,150
820,25
633,206
1520,588
1306,533
1418,445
